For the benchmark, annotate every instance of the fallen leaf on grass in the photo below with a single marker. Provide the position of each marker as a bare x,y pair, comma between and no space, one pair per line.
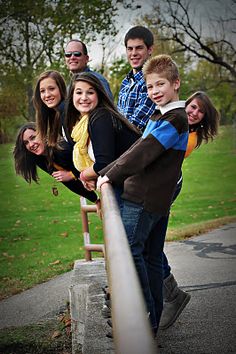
8,256
56,334
71,265
64,234
68,331
66,320
55,262
17,239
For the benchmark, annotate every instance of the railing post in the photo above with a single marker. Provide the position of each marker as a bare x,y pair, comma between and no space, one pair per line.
88,247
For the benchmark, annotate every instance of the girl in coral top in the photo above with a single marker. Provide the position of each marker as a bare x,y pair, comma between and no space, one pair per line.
203,119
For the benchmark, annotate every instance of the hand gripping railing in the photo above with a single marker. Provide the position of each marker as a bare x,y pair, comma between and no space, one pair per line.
131,329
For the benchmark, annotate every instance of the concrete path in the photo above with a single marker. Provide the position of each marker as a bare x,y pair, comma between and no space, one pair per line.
44,301
205,266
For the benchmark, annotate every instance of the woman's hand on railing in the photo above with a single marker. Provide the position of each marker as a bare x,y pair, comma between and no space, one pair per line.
63,176
90,185
88,182
102,180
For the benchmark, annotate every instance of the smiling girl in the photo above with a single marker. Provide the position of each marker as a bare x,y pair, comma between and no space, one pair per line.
49,97
203,120
30,152
100,132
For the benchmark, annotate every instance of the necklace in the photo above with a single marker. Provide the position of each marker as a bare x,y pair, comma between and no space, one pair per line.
55,190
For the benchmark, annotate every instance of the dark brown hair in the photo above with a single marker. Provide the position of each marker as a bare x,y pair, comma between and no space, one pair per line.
85,50
104,102
140,32
207,129
48,119
25,164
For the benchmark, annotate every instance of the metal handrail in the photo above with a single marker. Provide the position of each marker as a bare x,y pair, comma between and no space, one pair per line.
131,328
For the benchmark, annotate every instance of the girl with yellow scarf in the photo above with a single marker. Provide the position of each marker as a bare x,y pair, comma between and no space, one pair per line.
101,134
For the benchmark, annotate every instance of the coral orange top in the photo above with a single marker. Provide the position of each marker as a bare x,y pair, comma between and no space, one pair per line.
192,143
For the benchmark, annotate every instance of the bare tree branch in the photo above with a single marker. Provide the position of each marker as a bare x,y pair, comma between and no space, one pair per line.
178,22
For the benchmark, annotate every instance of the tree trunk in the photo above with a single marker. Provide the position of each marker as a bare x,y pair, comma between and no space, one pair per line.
31,110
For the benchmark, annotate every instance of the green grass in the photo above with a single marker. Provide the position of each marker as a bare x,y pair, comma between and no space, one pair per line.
41,235
209,189
44,338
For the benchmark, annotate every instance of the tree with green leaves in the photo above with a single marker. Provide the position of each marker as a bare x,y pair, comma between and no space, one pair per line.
33,34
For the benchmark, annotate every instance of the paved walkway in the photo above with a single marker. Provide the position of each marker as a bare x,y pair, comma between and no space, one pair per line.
44,301
205,266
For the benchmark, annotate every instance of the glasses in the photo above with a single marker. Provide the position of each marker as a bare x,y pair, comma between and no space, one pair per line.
76,54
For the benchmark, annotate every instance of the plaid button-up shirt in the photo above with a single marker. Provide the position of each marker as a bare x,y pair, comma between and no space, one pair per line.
133,100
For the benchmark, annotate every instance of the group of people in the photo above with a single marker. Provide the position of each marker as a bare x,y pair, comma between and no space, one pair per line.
83,139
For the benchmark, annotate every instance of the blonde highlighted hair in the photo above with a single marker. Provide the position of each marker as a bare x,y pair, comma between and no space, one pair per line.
162,65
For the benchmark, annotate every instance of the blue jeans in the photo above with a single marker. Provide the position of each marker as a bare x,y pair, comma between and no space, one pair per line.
162,229
163,223
118,190
142,229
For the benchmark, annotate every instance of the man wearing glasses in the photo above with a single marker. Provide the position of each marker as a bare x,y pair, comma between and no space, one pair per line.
76,57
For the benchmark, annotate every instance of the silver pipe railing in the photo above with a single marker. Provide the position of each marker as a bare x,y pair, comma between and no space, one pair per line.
131,328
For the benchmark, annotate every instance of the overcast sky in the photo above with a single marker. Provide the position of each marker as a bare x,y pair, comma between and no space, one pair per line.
203,9
125,21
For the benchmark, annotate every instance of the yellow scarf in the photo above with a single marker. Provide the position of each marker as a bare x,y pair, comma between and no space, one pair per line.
80,135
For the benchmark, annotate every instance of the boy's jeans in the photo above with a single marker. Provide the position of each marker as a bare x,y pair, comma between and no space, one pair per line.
163,227
146,245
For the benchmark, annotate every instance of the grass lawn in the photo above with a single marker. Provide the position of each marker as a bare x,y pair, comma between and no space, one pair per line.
41,235
44,338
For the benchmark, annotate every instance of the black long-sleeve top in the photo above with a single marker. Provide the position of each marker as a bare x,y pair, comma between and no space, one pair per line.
110,138
63,158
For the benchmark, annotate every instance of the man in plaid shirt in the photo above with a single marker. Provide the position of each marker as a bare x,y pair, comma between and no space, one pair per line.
133,100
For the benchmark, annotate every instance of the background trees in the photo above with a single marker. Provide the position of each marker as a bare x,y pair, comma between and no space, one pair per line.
32,37
200,36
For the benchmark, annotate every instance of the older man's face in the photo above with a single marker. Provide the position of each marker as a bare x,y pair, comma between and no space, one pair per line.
75,58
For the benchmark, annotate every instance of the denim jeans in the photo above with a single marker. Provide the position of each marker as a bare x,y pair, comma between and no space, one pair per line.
162,229
146,247
118,190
